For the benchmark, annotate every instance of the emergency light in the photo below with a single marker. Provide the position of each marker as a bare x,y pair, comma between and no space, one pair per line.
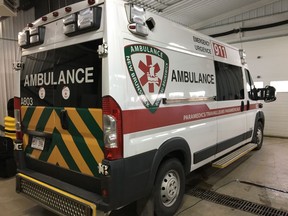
69,24
242,54
82,21
32,36
137,20
85,18
137,15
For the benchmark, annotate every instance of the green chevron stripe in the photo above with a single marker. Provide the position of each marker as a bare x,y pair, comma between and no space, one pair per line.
92,125
25,122
44,119
63,150
82,147
28,115
28,149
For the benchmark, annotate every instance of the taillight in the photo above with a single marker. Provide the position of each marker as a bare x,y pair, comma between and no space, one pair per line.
17,115
112,128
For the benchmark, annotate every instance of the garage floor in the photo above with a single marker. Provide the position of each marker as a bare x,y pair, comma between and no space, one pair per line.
261,177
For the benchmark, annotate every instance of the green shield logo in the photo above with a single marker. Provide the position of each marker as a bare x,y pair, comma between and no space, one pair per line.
148,68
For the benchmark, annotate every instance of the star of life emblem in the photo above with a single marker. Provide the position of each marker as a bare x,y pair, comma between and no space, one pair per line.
148,68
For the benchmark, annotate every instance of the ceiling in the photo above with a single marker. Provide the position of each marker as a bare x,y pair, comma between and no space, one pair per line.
217,16
201,13
198,13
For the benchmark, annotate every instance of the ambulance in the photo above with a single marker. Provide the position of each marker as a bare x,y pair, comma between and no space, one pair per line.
117,105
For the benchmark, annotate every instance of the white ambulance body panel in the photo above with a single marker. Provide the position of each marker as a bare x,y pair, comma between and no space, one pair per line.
187,51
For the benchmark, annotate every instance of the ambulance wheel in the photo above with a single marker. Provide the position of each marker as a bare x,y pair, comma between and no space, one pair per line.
258,137
169,188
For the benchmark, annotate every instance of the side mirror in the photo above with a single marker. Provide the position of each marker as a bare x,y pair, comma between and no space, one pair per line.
268,94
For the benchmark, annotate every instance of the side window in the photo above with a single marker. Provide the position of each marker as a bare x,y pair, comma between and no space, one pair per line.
229,82
249,84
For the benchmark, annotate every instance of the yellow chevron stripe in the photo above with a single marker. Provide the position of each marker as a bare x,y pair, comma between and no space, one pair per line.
57,158
25,136
50,125
72,148
97,115
48,128
77,157
23,111
32,126
35,118
88,137
36,153
25,140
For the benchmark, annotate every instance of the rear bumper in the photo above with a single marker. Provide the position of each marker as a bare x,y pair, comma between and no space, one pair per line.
127,181
60,201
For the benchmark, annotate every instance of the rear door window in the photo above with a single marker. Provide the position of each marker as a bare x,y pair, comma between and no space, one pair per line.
65,77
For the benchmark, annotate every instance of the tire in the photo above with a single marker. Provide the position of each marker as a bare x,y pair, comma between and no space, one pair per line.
258,136
169,188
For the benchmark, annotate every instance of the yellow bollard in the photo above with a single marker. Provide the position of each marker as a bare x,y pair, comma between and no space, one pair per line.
10,127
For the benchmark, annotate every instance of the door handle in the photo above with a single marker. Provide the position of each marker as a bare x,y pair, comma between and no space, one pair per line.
248,104
242,106
64,119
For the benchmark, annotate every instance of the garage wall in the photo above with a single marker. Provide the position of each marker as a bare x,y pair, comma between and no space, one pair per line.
9,52
267,60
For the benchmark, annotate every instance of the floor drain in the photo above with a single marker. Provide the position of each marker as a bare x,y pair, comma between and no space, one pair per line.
236,203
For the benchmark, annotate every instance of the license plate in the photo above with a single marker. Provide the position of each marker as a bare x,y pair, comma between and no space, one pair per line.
38,143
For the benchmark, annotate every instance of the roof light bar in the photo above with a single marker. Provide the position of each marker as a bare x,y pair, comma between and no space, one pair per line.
82,21
23,38
85,18
33,36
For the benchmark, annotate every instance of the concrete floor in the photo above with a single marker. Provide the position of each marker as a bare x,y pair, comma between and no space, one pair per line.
267,167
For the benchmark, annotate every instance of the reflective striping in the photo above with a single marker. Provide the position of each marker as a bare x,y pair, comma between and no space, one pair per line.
36,153
25,140
93,130
50,124
57,158
81,152
35,118
42,123
23,111
97,116
82,146
26,119
59,142
91,122
73,149
75,153
32,126
26,115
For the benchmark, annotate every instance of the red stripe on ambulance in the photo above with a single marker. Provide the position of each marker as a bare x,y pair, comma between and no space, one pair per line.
140,120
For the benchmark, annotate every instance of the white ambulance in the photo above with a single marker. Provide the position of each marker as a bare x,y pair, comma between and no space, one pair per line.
117,104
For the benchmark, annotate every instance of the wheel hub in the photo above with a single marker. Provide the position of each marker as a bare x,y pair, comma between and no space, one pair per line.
170,188
259,136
